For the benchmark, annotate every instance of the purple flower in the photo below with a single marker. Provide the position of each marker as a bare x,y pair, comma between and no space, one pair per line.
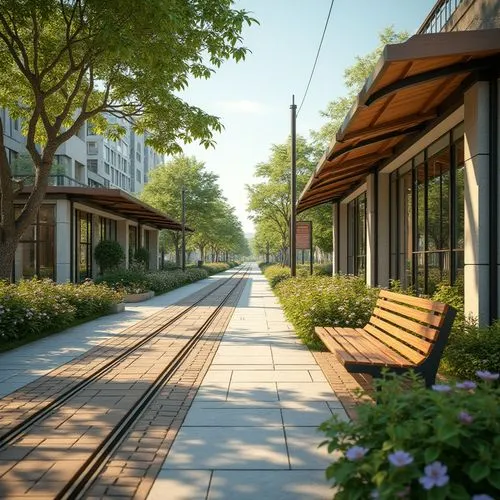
466,384
486,375
356,453
435,475
400,458
465,418
482,497
441,388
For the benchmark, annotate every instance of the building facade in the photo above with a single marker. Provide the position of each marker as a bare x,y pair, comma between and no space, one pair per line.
413,173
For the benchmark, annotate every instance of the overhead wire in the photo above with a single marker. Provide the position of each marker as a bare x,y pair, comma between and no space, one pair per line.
317,56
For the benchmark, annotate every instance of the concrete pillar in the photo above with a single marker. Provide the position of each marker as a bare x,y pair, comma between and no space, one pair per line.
335,235
63,238
383,233
498,191
122,237
477,202
154,245
342,232
371,229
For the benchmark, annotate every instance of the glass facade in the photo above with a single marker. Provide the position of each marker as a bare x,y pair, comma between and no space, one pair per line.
427,216
37,246
356,247
107,229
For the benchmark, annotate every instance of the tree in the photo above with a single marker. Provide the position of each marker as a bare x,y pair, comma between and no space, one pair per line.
163,191
269,201
65,62
354,79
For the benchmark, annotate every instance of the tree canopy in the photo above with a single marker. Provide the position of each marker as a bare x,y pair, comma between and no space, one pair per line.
65,62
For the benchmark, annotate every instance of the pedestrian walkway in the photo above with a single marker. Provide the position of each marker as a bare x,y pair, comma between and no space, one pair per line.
251,432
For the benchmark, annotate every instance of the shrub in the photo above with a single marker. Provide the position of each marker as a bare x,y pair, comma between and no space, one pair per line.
109,255
326,301
126,281
33,307
276,273
419,443
141,256
323,269
471,349
215,267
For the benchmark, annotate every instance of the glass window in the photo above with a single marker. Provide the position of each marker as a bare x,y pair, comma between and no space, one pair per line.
107,229
431,197
356,255
37,246
84,247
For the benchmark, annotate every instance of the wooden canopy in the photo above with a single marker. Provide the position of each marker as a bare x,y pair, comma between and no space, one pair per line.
407,91
117,202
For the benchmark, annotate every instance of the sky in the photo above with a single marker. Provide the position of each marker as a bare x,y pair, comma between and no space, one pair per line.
253,97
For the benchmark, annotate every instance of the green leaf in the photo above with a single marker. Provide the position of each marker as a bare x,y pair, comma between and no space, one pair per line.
431,454
494,479
478,471
458,492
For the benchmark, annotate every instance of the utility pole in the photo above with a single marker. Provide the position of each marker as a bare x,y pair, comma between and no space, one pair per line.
293,250
183,225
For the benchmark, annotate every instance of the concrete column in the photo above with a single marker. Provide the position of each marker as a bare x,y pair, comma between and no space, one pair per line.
154,245
371,228
122,237
342,232
335,235
63,237
383,224
498,191
477,202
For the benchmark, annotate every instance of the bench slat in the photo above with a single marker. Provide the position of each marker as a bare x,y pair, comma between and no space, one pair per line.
398,346
414,301
415,328
333,345
397,359
368,354
401,335
430,318
349,342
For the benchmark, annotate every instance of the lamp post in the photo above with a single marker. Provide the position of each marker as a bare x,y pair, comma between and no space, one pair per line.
183,226
293,258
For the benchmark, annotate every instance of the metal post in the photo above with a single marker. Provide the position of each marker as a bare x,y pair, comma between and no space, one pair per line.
293,258
183,224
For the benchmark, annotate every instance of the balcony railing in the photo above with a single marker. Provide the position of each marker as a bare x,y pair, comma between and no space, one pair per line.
54,180
439,16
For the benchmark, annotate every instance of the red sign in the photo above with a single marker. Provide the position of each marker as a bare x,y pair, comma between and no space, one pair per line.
303,235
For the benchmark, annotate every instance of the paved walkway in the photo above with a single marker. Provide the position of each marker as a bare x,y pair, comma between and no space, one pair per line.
251,432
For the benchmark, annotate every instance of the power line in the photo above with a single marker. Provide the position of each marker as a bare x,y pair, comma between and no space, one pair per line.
317,56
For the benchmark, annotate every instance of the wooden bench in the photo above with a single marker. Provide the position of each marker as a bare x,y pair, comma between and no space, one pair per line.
403,333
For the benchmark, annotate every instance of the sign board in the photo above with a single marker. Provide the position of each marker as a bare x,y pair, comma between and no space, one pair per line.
303,235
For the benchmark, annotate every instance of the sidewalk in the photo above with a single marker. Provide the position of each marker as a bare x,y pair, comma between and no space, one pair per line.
251,432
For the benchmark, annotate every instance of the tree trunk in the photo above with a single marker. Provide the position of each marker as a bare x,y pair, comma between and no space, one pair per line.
7,254
177,255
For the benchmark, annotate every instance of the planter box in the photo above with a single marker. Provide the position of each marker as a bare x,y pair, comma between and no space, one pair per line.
117,308
138,297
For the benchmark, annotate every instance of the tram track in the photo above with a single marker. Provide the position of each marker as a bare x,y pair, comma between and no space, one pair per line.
13,434
91,467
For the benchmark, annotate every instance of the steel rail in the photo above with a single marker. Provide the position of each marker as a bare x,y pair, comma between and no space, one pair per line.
86,475
13,434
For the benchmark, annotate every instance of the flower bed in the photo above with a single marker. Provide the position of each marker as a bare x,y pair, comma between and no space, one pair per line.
37,307
420,443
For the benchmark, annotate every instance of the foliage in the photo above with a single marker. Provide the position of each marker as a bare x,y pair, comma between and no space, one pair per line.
108,254
471,349
419,443
325,301
41,306
354,79
215,267
138,280
214,222
453,295
322,269
141,256
67,63
276,274
269,200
